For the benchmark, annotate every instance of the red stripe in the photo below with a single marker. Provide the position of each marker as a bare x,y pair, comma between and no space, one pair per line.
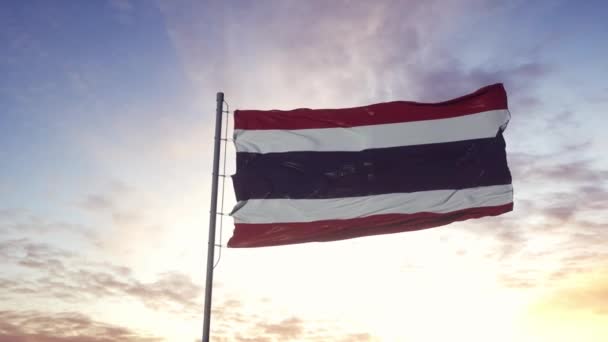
276,234
488,98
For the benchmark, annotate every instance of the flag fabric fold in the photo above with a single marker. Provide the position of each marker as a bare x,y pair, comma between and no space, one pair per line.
309,175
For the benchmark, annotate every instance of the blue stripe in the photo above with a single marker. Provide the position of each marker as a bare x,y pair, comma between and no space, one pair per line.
312,175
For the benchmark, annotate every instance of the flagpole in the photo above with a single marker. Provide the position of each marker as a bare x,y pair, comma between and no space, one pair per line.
213,214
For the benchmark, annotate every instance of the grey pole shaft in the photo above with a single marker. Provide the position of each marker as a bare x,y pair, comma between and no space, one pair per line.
212,215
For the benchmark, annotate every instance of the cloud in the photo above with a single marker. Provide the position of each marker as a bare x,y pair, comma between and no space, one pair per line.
566,119
355,52
565,230
35,255
65,275
30,326
252,339
452,79
232,321
589,293
97,202
573,206
21,222
358,338
580,171
289,328
518,280
7,214
130,214
113,202
558,227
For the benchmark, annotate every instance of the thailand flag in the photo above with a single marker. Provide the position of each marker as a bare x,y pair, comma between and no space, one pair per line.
308,175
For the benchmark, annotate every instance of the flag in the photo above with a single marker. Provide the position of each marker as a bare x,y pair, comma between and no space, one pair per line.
309,175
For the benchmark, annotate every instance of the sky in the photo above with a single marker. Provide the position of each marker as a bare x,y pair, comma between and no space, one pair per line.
106,135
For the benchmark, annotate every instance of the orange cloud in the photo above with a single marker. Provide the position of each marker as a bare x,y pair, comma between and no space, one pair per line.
34,326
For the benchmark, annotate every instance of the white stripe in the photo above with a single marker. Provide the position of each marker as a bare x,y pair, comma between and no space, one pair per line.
308,210
474,126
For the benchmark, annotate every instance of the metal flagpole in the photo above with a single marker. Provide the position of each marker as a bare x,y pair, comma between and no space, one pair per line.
213,215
